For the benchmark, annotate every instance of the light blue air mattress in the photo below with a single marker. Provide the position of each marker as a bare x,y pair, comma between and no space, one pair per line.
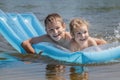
16,28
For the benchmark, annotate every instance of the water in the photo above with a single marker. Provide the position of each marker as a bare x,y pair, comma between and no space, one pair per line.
104,17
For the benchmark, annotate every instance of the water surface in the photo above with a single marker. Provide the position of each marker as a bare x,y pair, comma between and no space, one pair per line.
104,17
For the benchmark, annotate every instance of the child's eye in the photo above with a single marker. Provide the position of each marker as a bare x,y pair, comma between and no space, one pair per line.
85,32
79,33
57,27
51,29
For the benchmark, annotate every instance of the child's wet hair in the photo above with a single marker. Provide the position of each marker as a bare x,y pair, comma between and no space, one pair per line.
53,18
77,23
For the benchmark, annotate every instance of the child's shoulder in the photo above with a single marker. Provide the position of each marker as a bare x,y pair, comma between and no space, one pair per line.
100,41
91,41
97,41
68,35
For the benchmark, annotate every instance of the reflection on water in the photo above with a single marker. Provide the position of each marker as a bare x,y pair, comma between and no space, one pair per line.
34,67
55,72
58,73
78,73
31,67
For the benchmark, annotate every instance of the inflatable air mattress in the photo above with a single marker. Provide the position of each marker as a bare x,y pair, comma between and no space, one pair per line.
16,28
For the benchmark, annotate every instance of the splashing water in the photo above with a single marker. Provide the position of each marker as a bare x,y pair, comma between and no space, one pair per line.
117,31
102,47
113,41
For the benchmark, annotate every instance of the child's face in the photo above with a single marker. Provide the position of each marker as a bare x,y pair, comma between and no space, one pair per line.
55,30
81,34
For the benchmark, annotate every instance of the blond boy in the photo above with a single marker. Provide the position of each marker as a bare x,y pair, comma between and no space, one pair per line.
55,28
80,34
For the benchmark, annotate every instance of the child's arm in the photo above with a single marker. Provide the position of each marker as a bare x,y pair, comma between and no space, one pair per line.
91,42
96,42
27,44
100,41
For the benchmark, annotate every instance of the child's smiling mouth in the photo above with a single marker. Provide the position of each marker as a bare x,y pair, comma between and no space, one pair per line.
57,35
83,39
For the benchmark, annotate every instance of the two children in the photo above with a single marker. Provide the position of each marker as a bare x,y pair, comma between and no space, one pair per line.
57,34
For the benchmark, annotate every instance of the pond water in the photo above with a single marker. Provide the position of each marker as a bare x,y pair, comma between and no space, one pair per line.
104,19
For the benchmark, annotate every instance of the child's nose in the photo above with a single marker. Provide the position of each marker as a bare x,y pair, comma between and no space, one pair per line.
55,31
83,35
